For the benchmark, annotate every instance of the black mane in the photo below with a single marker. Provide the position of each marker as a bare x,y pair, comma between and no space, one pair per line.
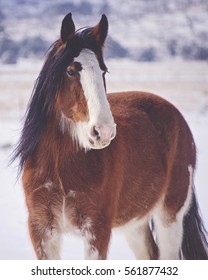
46,88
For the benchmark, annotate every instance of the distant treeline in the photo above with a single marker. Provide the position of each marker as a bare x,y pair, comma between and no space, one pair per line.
11,51
188,38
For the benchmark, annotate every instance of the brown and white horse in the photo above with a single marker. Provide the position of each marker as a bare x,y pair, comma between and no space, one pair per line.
92,162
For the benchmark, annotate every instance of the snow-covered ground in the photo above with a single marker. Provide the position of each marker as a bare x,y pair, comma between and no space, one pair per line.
184,84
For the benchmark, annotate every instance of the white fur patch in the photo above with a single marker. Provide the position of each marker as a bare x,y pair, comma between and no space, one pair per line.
94,91
170,234
48,185
66,216
191,174
91,253
135,233
71,194
187,202
64,221
86,230
79,131
51,245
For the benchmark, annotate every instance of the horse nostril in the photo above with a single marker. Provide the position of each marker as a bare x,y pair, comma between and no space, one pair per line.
95,132
104,133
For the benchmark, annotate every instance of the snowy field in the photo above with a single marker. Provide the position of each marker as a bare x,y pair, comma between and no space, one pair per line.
184,84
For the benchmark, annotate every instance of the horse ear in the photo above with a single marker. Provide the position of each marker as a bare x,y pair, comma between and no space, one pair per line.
67,28
100,31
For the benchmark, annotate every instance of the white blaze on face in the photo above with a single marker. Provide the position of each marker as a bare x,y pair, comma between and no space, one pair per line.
101,129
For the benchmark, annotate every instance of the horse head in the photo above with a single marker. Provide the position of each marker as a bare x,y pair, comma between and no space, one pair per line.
82,98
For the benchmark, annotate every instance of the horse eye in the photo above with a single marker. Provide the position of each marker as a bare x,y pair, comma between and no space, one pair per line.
71,72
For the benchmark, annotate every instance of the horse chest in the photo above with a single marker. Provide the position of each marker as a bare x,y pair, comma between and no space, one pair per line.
81,173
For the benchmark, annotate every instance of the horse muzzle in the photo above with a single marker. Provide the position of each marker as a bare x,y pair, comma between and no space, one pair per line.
102,135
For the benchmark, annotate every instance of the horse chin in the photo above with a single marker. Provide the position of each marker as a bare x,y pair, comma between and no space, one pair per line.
98,145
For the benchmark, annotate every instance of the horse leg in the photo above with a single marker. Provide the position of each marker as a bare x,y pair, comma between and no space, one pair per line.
96,236
97,248
96,245
169,235
169,230
140,240
46,240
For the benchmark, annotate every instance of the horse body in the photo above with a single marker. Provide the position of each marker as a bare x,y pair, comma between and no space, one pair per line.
107,188
85,175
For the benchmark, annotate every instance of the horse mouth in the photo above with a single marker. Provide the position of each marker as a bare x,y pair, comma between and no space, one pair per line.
99,144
